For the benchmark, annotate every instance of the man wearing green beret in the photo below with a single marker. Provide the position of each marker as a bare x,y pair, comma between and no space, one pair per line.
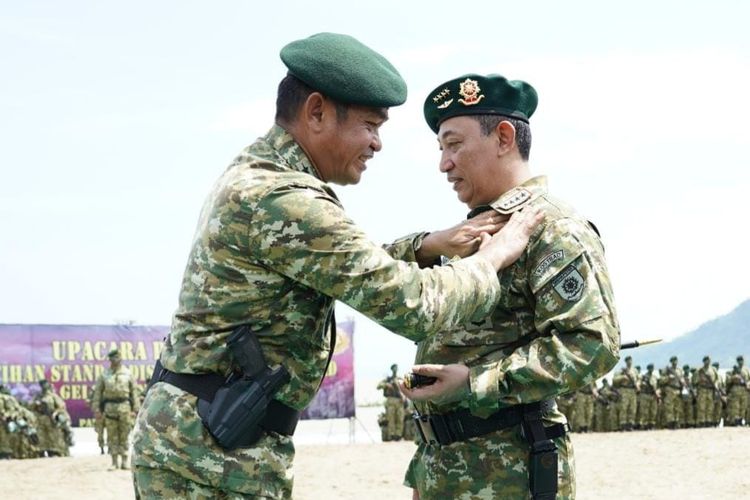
272,252
115,401
672,385
706,383
489,425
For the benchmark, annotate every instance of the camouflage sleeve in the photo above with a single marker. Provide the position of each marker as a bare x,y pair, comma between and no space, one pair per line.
405,248
96,401
305,235
574,315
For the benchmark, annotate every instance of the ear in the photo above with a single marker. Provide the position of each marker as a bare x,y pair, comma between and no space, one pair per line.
506,134
313,111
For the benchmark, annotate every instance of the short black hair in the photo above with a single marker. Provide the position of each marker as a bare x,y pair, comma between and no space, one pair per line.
488,123
292,93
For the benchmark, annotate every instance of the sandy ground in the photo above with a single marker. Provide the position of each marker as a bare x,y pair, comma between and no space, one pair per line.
685,464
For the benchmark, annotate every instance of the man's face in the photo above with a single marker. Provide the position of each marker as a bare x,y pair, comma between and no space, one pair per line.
629,363
114,361
350,143
470,160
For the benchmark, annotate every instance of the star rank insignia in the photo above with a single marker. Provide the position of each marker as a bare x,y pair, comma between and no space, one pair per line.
514,198
440,96
470,92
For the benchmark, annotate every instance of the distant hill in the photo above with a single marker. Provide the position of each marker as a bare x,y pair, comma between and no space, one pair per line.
722,338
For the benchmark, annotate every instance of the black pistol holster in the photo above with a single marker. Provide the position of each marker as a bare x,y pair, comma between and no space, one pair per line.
237,410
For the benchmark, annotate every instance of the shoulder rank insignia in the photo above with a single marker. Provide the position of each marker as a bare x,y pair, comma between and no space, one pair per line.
443,94
470,92
512,200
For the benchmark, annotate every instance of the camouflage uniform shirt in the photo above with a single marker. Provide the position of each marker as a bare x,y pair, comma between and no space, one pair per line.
273,250
553,332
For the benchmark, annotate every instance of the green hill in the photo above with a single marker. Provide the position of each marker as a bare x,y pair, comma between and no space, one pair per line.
722,338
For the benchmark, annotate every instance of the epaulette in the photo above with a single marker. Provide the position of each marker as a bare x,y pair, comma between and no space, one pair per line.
512,201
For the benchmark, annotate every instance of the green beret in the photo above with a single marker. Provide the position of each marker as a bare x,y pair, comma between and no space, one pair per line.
43,382
685,367
715,364
740,358
628,358
114,353
650,366
480,95
673,358
344,69
706,358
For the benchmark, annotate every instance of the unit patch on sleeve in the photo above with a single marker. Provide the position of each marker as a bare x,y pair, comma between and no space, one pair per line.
569,284
547,261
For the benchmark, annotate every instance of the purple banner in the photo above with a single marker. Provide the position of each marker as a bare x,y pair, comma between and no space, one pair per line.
335,398
72,357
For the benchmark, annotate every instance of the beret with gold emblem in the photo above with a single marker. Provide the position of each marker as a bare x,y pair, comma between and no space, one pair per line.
480,95
343,68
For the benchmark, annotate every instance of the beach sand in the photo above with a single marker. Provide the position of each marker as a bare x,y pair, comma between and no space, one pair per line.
685,464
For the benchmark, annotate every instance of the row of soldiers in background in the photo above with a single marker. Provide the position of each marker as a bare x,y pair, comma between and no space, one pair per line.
670,398
395,422
40,428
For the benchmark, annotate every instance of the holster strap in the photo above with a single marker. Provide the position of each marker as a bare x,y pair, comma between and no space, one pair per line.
279,417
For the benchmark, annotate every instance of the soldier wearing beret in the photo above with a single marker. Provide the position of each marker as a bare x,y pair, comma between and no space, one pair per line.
272,252
489,425
115,400
649,398
52,421
628,384
394,406
706,383
672,385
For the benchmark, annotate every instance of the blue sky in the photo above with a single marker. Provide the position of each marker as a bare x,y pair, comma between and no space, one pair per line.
117,117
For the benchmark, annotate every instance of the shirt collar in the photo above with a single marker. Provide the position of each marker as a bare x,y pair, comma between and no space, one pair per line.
290,151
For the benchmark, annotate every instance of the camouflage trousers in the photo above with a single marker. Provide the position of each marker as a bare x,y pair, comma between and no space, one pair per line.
584,412
672,406
648,406
704,405
99,428
688,411
488,467
155,484
736,403
118,422
628,406
394,414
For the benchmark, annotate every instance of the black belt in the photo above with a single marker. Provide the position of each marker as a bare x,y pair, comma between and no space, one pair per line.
116,400
279,417
461,425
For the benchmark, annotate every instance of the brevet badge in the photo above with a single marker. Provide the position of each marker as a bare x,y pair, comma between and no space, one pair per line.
470,92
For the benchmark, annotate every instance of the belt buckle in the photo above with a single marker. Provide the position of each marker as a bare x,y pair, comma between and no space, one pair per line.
424,426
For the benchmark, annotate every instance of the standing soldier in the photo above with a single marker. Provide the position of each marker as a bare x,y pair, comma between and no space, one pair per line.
98,422
627,384
745,371
705,380
25,439
672,385
584,408
52,421
602,408
115,399
8,426
688,397
394,405
649,398
720,397
737,389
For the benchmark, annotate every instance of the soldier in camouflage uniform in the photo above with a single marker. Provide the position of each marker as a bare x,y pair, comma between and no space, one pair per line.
720,397
394,406
705,382
25,441
8,426
553,331
671,384
737,386
115,399
273,250
688,398
52,421
649,398
584,408
604,410
627,384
